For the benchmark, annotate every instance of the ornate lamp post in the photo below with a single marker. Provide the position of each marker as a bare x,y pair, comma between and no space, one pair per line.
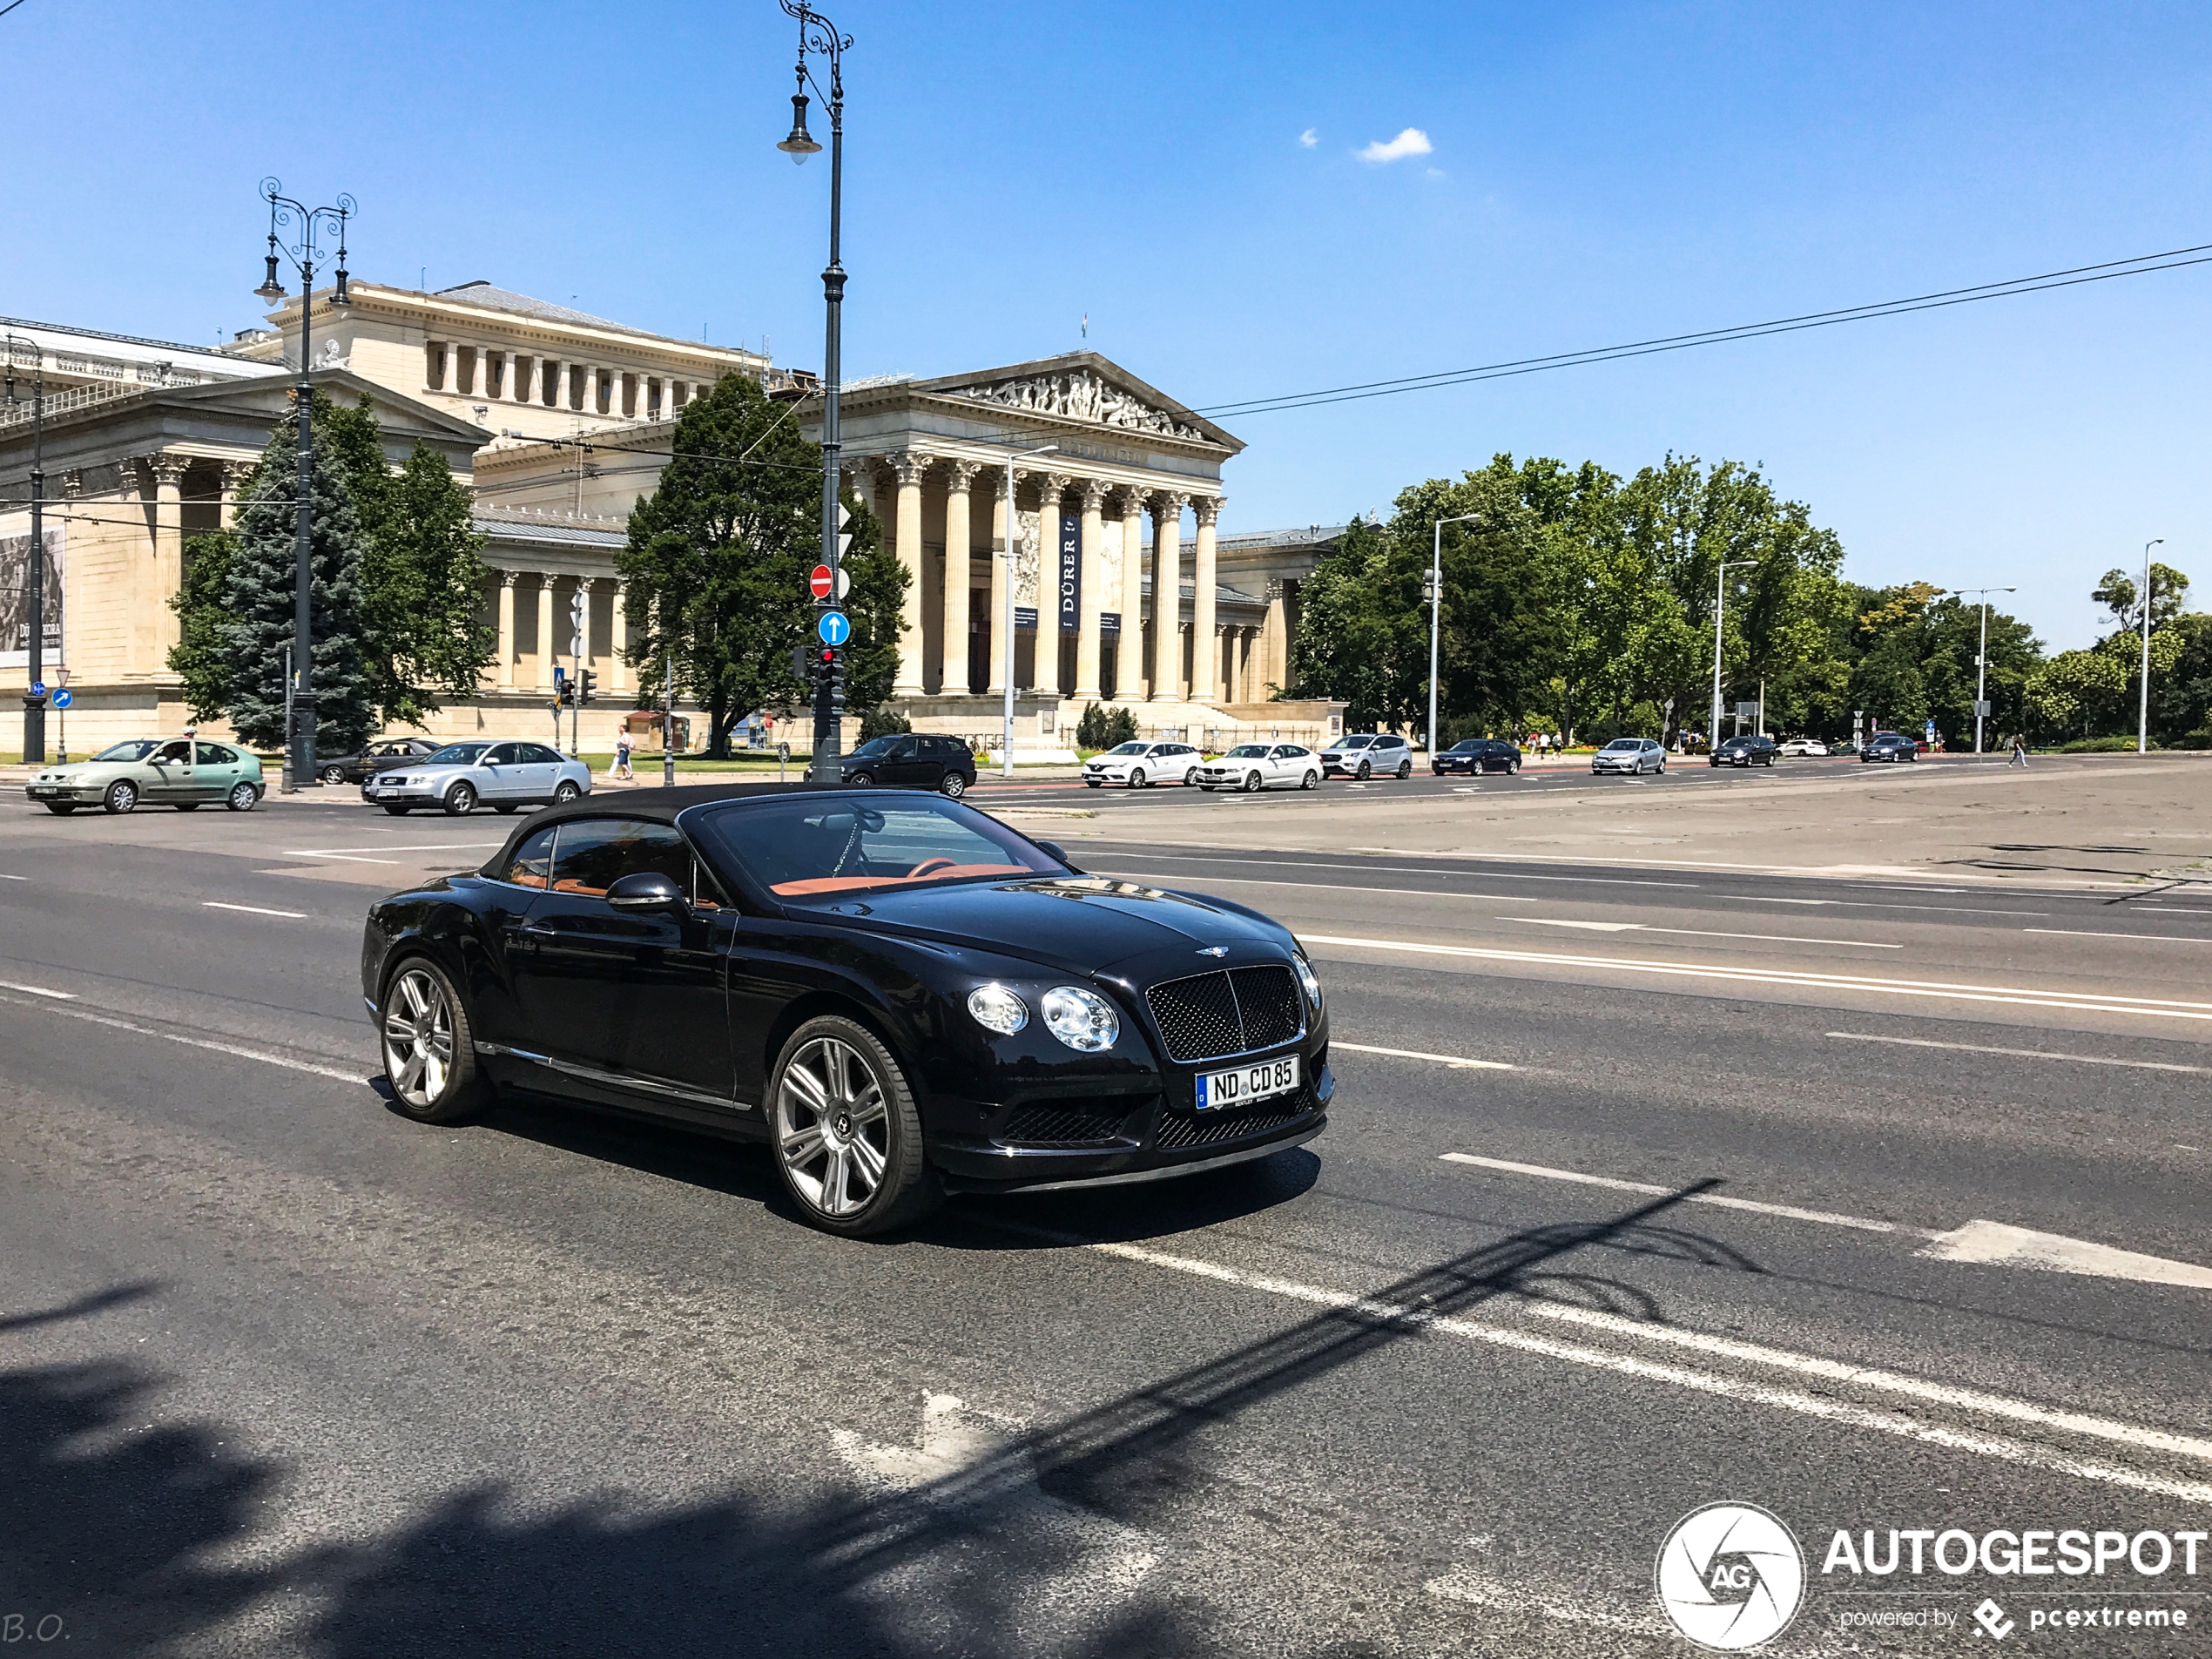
300,739
817,34
34,702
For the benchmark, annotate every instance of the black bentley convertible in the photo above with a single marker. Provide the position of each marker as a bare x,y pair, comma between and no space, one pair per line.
899,994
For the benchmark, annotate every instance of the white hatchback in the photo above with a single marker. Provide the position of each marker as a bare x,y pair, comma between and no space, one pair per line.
1804,747
1139,765
1254,766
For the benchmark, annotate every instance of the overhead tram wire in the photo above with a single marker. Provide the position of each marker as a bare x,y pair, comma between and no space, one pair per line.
2142,264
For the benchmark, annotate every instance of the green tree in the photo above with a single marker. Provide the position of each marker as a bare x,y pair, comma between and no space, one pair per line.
1347,644
423,581
717,560
2116,593
202,653
258,594
874,602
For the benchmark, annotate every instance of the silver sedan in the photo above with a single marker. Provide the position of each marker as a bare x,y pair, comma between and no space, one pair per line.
462,776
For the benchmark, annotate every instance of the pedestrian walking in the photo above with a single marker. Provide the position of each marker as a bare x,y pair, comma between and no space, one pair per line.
622,757
2019,752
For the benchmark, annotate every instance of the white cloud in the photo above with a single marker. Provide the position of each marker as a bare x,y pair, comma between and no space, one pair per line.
1309,138
1412,142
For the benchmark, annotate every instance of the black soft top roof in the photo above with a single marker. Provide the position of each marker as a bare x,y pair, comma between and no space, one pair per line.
654,806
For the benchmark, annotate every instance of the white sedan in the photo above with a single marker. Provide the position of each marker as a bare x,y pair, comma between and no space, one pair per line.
1136,764
1804,747
1254,766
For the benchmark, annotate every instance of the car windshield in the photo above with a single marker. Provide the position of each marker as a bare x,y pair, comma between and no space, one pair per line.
458,754
1247,752
1623,745
1361,742
1127,749
874,746
802,846
1465,748
136,749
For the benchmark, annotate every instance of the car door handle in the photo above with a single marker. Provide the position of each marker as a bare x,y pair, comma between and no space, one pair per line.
535,927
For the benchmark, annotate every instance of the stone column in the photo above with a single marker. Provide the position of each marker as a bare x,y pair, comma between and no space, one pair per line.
506,667
1167,597
1051,486
618,639
1094,579
1002,586
1205,638
908,467
1129,660
546,644
956,575
168,552
235,473
1274,656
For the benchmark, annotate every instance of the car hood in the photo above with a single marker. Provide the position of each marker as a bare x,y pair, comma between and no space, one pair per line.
1079,924
87,771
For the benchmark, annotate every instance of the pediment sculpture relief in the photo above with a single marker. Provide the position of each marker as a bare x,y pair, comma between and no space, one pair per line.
1082,396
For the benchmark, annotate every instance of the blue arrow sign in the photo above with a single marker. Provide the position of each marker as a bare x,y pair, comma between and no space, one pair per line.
833,628
63,698
39,688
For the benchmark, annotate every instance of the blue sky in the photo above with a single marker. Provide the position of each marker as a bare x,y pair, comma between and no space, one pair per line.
1596,173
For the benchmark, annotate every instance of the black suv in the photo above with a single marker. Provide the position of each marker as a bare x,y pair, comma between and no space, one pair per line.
1890,745
912,760
1478,755
1746,751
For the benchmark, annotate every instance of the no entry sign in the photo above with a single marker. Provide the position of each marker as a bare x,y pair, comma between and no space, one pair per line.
818,581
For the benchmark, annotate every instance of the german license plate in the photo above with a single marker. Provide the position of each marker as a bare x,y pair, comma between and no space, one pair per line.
1219,1089
37,793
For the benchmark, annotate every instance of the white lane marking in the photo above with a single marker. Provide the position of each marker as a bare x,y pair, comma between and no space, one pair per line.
1740,1389
192,1042
252,909
2083,932
1789,1212
14,878
1997,1244
1416,1054
39,990
1878,904
1462,1584
2078,1001
415,846
1732,864
1756,898
1315,886
2022,1053
1387,869
1696,932
1973,1400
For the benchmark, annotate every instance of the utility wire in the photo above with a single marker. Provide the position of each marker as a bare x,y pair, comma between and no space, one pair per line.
2142,265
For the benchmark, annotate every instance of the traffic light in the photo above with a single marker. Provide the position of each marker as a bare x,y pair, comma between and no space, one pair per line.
828,674
564,695
587,683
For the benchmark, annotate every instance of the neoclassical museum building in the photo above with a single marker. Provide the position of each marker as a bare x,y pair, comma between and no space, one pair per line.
1123,586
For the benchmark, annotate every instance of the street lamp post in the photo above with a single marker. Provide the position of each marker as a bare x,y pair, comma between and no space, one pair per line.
1006,732
1720,609
300,735
1981,657
2142,706
818,35
1436,609
34,701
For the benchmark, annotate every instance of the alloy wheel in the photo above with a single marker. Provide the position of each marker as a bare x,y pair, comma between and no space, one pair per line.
832,1128
333,774
122,795
461,800
1251,783
566,791
418,1037
241,798
1136,778
955,785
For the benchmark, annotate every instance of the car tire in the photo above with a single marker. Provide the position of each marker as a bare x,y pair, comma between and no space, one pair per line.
954,785
1254,783
1189,777
461,800
333,774
1313,781
399,811
860,781
122,795
566,791
1512,769
1663,768
854,1095
243,798
1405,770
1365,772
61,808
1136,778
428,1045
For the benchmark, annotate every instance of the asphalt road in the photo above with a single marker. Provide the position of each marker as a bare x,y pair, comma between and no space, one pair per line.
1877,1204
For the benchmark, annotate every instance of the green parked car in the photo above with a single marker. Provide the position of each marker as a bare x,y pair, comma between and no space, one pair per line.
155,772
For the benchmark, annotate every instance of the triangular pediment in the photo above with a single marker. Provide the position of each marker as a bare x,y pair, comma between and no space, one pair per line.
1086,388
394,413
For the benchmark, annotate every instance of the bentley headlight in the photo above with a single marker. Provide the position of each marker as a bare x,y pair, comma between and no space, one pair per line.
1308,978
1081,1019
996,1008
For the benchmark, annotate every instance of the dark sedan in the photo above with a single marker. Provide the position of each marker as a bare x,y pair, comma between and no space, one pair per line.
1890,745
899,994
912,760
1746,751
1478,755
380,756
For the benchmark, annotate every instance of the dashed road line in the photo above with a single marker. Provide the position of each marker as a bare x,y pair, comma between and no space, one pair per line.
1788,1212
2083,932
39,990
2021,1054
253,909
1415,1054
235,1049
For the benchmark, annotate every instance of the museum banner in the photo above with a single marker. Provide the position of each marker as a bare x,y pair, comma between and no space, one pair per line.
1071,571
15,590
